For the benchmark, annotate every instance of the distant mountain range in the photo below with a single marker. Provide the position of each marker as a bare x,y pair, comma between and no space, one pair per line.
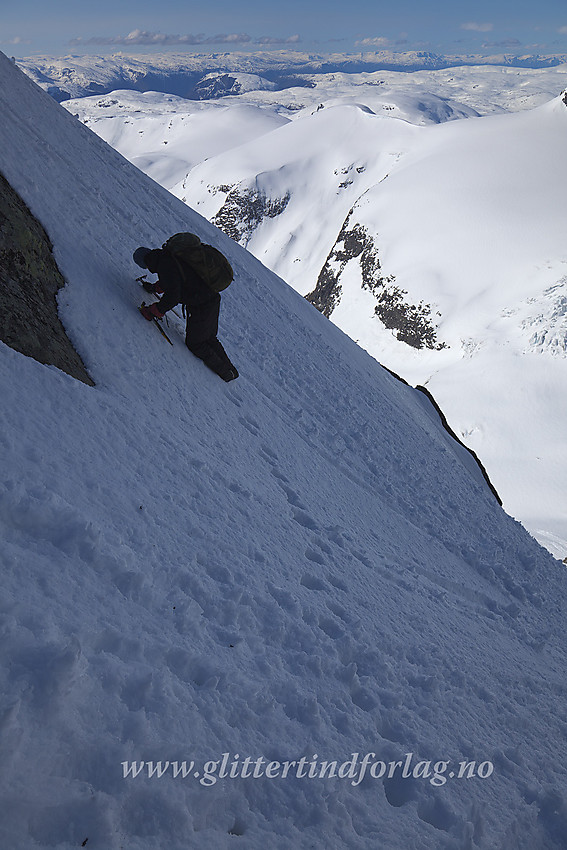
182,74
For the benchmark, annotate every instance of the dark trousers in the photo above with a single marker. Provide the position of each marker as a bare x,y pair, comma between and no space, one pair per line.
201,336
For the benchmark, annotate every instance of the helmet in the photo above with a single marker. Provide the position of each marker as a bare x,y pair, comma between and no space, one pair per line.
139,257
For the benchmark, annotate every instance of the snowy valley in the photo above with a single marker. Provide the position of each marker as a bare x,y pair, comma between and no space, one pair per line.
211,593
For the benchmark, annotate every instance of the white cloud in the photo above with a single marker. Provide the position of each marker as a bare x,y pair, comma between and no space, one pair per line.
373,42
562,30
144,37
507,42
268,39
476,27
16,40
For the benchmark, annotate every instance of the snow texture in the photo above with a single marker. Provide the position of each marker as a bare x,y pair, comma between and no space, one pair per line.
300,564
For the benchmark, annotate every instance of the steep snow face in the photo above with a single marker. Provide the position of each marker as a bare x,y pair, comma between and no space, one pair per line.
440,249
296,568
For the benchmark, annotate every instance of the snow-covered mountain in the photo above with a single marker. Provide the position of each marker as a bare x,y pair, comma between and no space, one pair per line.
237,586
441,251
166,135
193,74
439,248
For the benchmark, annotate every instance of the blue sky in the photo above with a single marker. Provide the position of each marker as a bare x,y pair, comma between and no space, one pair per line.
59,27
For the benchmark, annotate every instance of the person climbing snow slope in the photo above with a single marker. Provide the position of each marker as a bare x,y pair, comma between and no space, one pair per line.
192,274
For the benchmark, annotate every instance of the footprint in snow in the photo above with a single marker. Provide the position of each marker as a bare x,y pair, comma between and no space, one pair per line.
304,519
250,424
312,582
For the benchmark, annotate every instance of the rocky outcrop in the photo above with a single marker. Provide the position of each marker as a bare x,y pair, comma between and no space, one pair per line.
411,323
244,210
29,280
222,85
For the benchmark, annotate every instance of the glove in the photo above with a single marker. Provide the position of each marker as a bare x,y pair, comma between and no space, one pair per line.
154,288
150,311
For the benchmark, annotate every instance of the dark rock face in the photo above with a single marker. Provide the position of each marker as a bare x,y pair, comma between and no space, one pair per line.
411,323
244,210
216,85
29,280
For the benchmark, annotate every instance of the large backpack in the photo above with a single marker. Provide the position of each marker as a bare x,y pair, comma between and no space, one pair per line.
207,261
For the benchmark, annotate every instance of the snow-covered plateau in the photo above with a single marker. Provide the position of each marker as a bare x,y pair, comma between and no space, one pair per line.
282,612
423,212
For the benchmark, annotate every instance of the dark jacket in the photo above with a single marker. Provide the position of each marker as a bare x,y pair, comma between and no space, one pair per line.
180,284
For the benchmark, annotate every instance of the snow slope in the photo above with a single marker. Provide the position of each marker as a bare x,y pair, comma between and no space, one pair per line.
466,220
299,565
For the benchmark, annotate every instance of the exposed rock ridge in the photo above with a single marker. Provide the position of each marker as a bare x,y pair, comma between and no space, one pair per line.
411,323
29,281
